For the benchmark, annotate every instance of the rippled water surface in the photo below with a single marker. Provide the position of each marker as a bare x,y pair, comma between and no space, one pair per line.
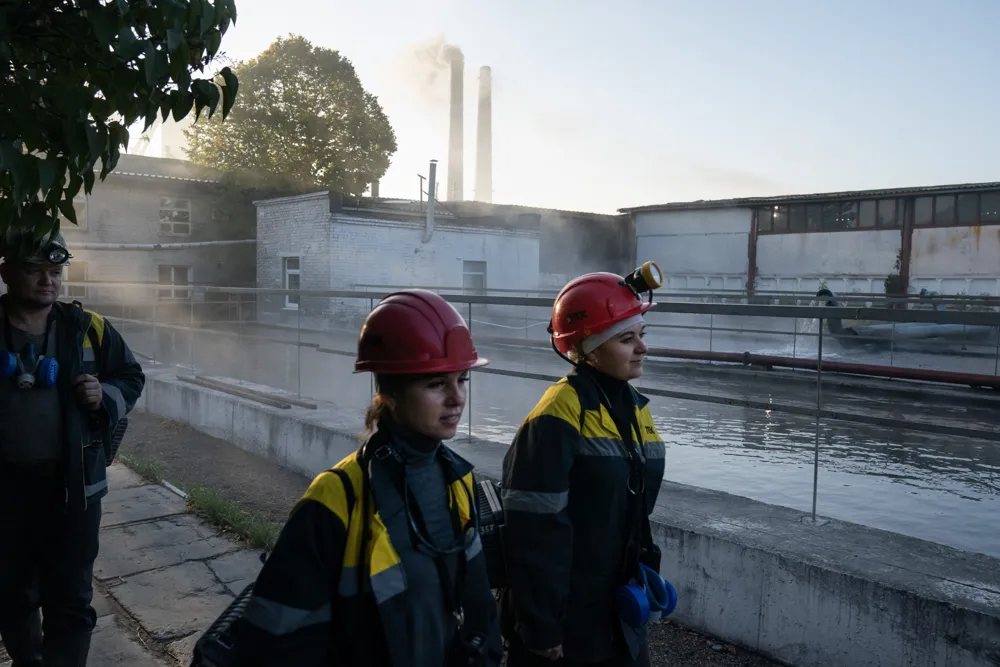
940,488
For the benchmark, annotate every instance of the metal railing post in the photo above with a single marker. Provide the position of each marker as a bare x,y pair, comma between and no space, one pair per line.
298,348
191,329
156,334
819,406
795,335
711,331
470,376
892,345
371,376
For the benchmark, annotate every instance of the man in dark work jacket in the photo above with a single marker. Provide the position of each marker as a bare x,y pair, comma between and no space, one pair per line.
52,462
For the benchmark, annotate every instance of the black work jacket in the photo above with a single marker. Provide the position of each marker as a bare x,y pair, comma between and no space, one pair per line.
87,433
310,606
566,514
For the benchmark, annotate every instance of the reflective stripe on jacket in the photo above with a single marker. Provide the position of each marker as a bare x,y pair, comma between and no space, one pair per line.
307,608
566,524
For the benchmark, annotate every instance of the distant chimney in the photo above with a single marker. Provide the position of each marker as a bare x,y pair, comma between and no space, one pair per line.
484,137
455,134
375,189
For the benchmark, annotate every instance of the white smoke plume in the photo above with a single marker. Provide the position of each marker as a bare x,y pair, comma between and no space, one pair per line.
425,68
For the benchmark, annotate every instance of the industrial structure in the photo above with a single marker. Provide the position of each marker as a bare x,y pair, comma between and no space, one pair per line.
484,137
456,168
943,239
163,222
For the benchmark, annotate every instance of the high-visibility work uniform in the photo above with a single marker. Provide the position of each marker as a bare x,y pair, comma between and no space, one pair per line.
569,538
307,607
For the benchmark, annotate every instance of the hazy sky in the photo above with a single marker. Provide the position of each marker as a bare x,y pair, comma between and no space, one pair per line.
601,105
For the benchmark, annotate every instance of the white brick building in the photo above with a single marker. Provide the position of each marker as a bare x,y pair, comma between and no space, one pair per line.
313,242
158,222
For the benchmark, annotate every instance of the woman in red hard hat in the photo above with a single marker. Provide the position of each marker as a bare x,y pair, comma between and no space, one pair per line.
579,482
380,562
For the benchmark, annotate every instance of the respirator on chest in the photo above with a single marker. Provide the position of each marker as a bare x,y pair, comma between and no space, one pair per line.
44,370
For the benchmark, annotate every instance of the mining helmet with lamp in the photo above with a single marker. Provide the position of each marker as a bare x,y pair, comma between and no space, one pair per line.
593,303
50,250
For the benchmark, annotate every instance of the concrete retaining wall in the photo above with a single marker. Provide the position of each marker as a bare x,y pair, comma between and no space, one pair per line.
833,594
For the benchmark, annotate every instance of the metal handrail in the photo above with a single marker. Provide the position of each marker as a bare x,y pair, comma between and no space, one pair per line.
674,307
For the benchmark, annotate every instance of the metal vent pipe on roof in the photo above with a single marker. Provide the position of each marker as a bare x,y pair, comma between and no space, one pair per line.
431,196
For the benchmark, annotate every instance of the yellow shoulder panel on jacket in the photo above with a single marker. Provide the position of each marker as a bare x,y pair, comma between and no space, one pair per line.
560,400
328,490
97,324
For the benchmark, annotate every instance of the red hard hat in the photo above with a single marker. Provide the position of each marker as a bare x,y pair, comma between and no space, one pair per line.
415,331
589,305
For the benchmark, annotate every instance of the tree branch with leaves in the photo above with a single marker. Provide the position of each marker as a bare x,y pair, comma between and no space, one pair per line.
75,74
304,117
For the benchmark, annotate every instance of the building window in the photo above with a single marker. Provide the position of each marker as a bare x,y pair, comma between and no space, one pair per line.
968,209
175,216
923,212
474,277
779,219
291,279
178,281
888,213
764,220
76,272
866,214
944,210
797,218
989,207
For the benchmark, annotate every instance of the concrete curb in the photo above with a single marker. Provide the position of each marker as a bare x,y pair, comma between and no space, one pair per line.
756,575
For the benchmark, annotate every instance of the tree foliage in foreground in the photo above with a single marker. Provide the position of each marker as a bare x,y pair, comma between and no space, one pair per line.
304,116
77,73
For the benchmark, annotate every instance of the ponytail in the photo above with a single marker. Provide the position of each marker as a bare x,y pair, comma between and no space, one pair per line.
373,413
385,385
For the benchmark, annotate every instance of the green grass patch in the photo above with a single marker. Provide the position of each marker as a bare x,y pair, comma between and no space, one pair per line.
212,506
148,469
226,514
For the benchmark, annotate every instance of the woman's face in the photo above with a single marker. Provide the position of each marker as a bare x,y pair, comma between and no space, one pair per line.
621,357
432,406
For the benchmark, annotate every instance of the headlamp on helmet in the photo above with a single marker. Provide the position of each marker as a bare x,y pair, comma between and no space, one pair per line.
56,253
644,279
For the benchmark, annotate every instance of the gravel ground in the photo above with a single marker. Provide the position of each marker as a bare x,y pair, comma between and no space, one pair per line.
189,458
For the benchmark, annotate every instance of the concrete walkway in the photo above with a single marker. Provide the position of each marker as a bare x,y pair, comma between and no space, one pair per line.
162,576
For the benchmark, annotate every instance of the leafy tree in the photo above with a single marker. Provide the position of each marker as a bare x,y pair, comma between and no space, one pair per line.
303,115
77,73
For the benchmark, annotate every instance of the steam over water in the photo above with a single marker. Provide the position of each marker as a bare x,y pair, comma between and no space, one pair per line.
942,488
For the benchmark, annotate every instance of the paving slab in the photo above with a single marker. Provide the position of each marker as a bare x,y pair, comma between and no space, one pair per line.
101,604
174,602
121,476
183,649
237,566
113,644
136,547
139,503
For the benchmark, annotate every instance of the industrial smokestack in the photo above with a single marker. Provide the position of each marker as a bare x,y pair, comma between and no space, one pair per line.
484,137
455,148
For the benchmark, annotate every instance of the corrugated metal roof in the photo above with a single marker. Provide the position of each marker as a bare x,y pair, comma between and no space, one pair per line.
747,202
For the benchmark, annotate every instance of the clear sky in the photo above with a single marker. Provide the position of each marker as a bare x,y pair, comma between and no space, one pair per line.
601,105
